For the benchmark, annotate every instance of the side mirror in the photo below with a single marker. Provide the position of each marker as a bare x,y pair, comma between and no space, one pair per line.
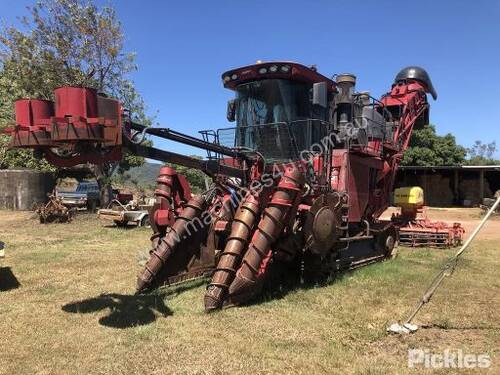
320,94
231,110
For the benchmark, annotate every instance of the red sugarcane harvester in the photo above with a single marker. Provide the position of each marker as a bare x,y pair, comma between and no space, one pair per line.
298,184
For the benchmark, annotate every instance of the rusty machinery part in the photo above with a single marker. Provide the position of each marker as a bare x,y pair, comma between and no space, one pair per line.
269,229
162,205
171,193
426,233
386,240
415,227
241,229
322,227
54,211
199,251
222,211
175,238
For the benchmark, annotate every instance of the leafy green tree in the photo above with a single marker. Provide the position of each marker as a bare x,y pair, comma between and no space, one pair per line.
66,42
427,149
482,154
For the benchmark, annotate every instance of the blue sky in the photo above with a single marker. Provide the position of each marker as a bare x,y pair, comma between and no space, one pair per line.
183,47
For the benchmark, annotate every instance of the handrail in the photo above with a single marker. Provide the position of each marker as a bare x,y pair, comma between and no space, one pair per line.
291,129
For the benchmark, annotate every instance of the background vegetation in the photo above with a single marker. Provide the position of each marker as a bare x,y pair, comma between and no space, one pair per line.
143,177
66,42
427,148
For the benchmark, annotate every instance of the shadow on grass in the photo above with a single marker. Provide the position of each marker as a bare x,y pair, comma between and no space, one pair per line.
8,280
277,289
124,226
125,310
121,226
131,310
449,327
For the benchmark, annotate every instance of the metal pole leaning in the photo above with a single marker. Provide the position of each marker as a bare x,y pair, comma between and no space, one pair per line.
478,228
446,271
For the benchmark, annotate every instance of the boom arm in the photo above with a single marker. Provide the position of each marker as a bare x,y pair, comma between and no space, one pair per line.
210,167
173,135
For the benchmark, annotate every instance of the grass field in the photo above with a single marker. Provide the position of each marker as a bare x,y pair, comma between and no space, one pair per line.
74,311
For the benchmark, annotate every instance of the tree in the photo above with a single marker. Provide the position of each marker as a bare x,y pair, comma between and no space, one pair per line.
428,149
66,42
482,154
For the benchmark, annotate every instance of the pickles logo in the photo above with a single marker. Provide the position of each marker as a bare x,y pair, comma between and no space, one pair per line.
447,359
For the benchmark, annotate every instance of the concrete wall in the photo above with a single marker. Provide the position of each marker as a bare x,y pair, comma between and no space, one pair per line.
22,189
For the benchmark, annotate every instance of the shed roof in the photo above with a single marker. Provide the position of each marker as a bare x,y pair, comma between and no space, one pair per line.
451,167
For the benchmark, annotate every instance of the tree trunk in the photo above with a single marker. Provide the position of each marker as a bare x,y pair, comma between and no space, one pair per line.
102,174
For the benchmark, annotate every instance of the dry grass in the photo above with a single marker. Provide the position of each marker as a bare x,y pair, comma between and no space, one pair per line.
74,312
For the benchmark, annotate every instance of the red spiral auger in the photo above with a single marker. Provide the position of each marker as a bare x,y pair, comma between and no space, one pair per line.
245,284
241,230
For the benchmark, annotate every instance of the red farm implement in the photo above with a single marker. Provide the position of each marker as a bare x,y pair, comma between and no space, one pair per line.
415,227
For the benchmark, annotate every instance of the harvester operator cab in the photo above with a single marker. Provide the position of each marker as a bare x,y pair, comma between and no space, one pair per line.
280,109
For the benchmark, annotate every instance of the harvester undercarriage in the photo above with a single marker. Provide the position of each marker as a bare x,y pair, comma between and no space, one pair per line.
297,187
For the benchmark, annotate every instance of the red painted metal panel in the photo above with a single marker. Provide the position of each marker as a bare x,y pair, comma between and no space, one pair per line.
76,101
32,112
110,110
358,187
23,112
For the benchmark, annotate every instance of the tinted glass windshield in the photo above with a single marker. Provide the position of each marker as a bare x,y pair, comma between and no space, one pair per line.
87,187
271,101
274,117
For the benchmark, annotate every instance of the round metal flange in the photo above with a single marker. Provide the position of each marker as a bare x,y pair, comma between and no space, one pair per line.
386,241
324,225
321,227
389,243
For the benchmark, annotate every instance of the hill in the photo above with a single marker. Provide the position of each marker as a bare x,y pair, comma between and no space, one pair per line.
145,175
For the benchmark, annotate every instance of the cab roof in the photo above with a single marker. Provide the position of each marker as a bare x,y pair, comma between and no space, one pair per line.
277,70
